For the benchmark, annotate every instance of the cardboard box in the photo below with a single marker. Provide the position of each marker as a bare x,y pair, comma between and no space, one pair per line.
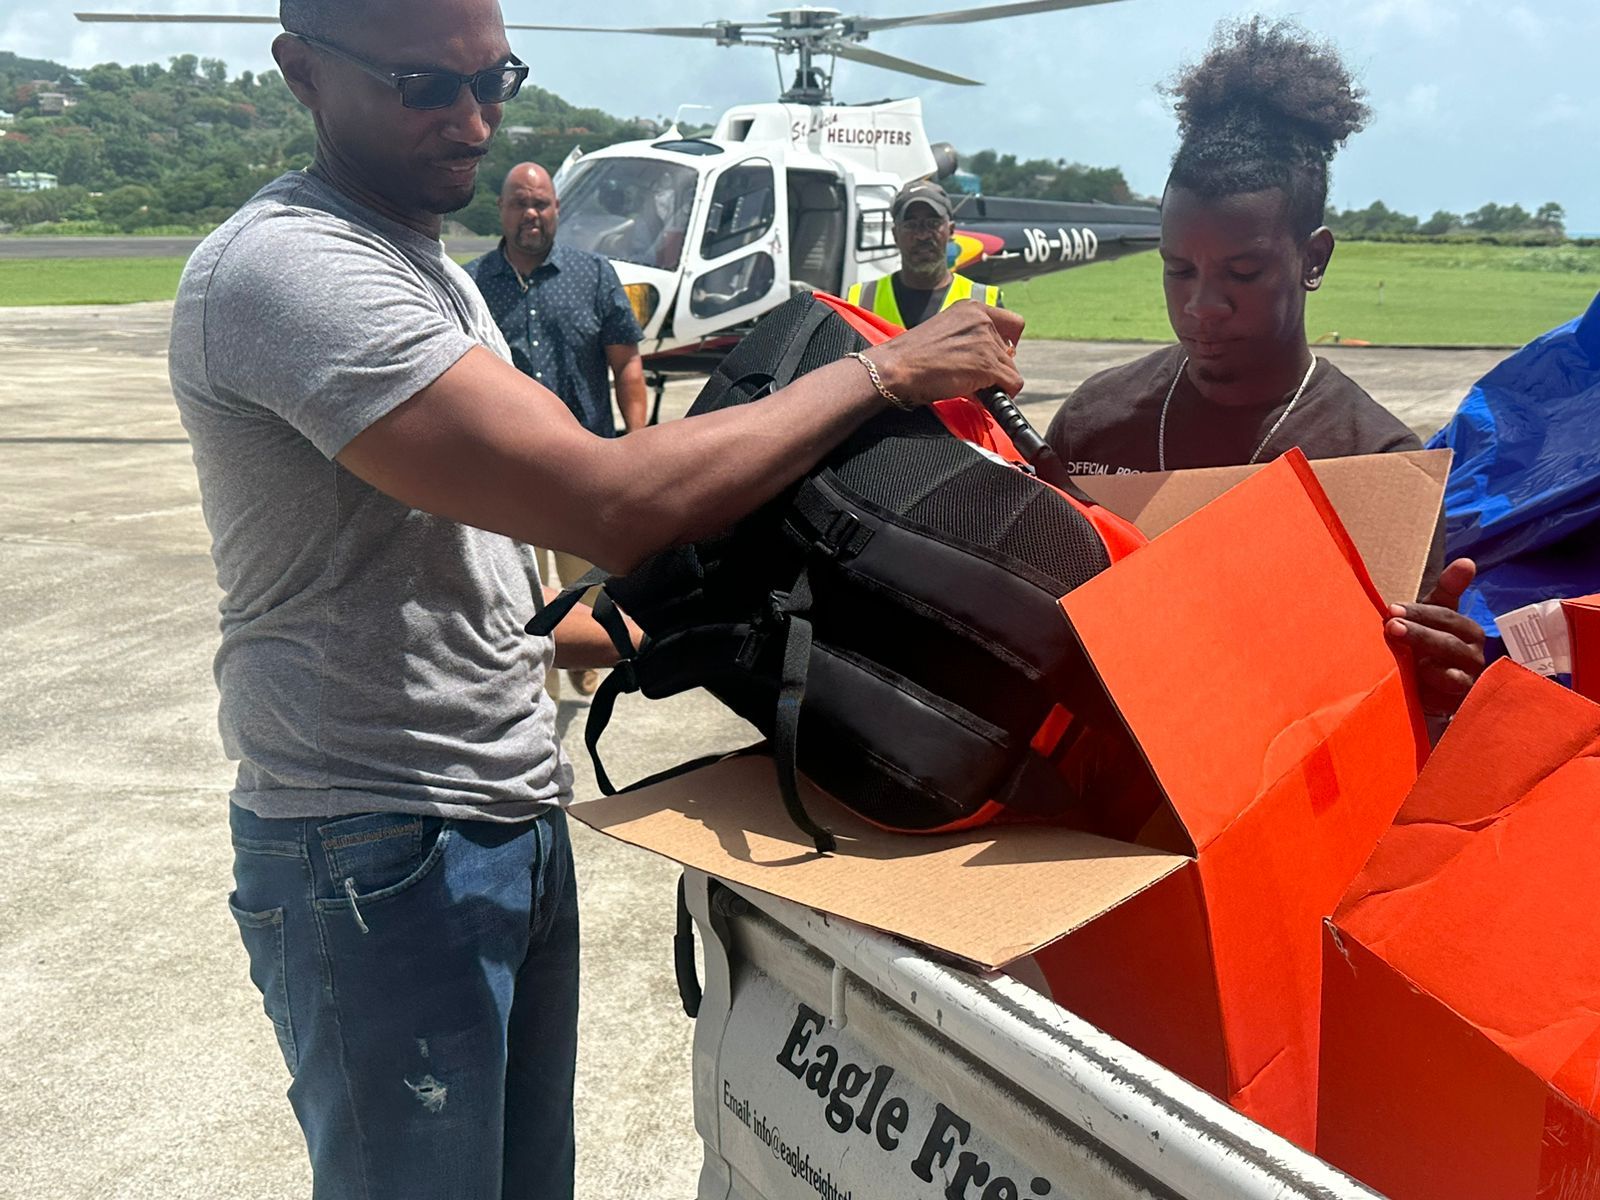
1244,650
1389,504
1461,1028
1284,735
1583,640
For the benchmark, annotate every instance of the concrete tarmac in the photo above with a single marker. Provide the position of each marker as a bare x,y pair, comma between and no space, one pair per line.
139,1063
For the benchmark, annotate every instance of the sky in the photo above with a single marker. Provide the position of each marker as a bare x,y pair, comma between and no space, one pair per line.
1474,100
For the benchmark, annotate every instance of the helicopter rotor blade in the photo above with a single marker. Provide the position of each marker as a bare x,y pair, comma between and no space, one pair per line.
888,62
714,32
962,16
175,18
685,31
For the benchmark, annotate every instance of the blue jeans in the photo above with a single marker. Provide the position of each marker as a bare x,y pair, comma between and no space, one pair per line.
422,978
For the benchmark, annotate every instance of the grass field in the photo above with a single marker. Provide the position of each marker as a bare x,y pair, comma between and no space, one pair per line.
88,280
1431,295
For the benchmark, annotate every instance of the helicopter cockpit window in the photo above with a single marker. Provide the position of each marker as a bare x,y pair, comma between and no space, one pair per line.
632,209
732,285
742,208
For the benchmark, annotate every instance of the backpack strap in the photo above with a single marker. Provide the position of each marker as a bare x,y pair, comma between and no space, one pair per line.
783,374
609,616
623,678
794,607
547,618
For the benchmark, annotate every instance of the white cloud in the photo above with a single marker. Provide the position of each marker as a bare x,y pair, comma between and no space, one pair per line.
1421,102
1431,17
1526,22
1561,109
1153,108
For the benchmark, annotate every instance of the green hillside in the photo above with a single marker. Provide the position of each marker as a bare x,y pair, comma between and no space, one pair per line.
148,147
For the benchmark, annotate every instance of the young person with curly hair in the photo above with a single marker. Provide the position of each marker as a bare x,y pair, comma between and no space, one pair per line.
1243,244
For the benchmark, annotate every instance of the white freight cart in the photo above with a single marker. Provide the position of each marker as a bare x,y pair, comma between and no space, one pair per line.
834,1062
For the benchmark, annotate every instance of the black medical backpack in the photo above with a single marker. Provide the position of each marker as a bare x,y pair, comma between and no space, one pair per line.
891,622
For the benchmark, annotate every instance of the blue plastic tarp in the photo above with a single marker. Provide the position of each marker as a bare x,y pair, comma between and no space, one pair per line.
1523,498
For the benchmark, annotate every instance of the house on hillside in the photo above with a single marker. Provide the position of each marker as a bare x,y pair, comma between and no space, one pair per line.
6,118
53,104
29,181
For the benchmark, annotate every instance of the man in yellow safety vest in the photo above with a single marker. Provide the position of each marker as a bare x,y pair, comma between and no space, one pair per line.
924,284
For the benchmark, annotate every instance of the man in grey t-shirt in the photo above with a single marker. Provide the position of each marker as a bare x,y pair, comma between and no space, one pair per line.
371,468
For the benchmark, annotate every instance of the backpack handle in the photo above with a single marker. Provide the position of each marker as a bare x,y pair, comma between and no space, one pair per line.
1046,463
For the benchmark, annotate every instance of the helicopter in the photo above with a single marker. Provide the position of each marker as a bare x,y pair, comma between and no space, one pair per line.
709,232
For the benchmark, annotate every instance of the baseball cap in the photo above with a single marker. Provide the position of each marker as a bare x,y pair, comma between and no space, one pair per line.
921,191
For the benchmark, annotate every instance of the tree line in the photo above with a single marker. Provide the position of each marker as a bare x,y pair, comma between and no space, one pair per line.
180,145
1498,222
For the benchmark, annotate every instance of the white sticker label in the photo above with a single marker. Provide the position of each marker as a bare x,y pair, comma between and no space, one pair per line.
1536,637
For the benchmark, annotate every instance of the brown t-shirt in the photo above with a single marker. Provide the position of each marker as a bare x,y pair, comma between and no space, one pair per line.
1111,426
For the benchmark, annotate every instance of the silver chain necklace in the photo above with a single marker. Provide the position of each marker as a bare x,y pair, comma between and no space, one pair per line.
1161,433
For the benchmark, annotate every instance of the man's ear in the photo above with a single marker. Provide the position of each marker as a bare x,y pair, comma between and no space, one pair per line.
298,65
1315,255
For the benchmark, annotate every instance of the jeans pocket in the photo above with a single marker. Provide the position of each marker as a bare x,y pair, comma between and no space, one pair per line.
262,933
377,855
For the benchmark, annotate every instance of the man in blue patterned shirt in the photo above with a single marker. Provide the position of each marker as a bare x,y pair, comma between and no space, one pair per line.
567,320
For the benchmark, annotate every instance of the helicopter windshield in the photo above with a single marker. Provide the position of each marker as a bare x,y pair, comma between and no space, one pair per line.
632,209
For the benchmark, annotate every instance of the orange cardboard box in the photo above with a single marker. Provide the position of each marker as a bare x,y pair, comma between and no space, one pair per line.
1461,1026
1244,651
1284,737
1583,636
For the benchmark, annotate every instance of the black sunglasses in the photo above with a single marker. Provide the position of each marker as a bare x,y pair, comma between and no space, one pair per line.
436,89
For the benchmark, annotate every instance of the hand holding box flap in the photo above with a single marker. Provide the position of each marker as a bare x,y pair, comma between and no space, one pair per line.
1244,649
1463,989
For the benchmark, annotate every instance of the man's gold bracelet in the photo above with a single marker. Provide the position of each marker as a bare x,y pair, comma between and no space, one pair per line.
877,380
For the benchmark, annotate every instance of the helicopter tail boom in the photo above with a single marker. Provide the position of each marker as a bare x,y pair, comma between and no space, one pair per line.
1000,239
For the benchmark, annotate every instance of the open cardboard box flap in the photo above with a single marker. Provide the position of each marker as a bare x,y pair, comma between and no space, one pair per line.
993,894
1020,886
1389,504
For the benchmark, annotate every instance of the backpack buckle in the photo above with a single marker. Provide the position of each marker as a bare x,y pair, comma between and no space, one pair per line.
779,607
839,535
750,649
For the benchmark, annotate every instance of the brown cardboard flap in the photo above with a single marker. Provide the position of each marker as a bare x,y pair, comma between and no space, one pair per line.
987,895
1389,503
